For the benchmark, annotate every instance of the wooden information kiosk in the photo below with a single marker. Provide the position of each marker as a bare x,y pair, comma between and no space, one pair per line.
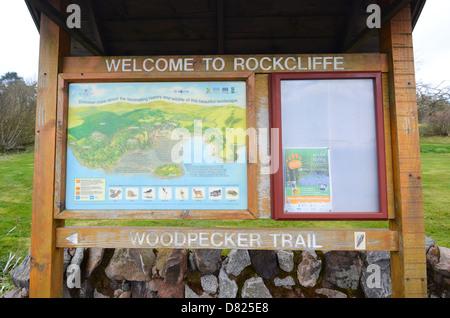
281,135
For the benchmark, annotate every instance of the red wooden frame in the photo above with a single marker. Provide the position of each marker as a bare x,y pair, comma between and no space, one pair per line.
277,185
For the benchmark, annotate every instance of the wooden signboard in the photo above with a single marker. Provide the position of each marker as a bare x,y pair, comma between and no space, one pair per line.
102,148
96,92
134,105
228,238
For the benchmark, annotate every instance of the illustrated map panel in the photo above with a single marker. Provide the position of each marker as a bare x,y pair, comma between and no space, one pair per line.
171,145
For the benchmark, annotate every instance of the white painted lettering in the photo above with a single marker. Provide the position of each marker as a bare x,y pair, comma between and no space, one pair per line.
339,60
300,65
238,61
165,243
229,239
255,240
213,242
277,63
222,61
274,237
203,239
325,61
314,245
192,237
147,239
178,66
165,64
300,241
207,60
317,60
309,241
265,63
189,64
286,64
243,240
286,239
135,69
137,238
254,62
144,65
126,65
223,240
112,64
261,62
178,235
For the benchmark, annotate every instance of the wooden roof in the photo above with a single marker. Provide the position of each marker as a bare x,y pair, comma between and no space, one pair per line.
180,27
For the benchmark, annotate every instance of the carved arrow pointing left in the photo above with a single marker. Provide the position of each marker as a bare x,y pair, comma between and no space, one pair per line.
73,238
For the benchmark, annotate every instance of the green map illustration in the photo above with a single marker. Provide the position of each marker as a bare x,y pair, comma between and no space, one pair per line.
102,136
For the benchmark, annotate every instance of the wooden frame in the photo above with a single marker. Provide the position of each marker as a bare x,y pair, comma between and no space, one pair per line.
276,122
61,147
47,261
408,264
405,238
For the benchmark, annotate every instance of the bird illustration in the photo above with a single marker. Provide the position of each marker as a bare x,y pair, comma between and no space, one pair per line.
360,240
131,194
215,193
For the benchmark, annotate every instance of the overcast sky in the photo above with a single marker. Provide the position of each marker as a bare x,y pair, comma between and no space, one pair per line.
20,41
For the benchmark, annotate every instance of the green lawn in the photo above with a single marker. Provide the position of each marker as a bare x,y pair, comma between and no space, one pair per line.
435,154
16,178
16,185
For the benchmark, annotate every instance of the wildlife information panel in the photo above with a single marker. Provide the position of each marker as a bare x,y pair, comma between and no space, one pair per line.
307,180
165,145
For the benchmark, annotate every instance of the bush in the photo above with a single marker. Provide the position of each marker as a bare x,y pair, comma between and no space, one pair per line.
431,99
437,124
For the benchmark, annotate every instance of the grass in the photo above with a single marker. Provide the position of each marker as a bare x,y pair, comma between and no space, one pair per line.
435,155
16,190
16,185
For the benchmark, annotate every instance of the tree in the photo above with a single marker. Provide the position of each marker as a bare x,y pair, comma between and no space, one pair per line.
433,104
431,100
17,111
10,77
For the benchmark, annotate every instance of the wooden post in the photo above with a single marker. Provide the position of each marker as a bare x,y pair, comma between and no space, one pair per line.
46,270
408,264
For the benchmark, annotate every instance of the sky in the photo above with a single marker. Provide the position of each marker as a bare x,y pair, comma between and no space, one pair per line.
19,40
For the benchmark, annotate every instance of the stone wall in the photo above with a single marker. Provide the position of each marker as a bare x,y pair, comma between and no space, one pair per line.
178,273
